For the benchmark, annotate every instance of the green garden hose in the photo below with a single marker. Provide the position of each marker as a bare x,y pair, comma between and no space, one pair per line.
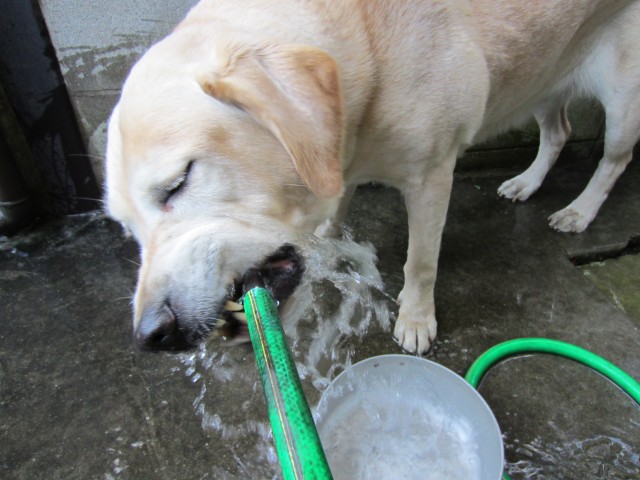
555,347
296,438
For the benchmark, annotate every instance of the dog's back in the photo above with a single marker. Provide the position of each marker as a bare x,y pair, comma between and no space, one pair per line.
535,48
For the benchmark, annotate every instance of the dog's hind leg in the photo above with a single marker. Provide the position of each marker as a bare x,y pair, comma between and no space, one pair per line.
613,74
623,128
622,107
555,129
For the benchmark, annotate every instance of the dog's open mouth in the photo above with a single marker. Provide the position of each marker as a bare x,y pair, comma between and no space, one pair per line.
280,274
166,327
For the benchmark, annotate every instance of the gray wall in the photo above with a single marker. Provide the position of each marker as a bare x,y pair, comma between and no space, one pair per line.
97,42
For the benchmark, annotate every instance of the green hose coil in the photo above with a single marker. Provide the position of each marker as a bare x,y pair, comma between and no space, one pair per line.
296,438
543,345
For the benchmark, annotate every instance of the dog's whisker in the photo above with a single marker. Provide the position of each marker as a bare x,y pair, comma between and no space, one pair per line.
75,197
128,297
86,155
131,261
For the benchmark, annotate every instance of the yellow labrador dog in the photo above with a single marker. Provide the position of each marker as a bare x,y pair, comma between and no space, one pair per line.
254,121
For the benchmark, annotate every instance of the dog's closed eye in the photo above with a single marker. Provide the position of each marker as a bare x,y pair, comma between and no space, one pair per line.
177,185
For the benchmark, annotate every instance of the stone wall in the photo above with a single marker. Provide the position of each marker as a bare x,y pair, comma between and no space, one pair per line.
97,43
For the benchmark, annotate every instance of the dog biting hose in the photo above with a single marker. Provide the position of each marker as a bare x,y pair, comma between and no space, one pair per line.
296,438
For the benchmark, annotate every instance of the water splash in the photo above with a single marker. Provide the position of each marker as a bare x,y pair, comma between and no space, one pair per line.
340,299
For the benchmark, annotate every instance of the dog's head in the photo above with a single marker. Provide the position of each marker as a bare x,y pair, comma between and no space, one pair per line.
218,156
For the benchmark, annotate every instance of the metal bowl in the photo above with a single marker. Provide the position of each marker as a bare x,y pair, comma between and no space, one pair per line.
399,416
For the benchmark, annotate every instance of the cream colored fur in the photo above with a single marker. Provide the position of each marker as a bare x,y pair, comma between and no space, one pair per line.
610,73
285,106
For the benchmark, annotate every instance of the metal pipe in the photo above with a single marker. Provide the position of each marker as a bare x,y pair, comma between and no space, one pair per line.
16,205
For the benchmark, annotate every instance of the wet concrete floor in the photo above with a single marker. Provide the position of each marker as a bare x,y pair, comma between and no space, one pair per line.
77,401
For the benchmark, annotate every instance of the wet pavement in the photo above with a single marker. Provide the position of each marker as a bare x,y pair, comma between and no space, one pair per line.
77,401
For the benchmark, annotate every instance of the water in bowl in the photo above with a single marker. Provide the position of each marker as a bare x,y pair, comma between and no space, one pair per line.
399,437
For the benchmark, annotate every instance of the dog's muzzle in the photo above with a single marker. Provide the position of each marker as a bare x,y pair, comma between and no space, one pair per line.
161,327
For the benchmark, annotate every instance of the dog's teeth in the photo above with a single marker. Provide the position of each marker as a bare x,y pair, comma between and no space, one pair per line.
240,316
221,322
232,306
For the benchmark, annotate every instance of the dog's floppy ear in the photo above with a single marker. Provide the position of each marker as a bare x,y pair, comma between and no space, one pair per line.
293,91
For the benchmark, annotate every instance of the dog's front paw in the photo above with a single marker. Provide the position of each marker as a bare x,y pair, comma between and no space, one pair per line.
519,188
414,332
569,220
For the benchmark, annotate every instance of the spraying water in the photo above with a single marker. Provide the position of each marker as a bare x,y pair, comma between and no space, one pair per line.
340,299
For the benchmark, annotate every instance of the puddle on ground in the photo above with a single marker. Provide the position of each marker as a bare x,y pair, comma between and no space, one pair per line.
340,299
598,457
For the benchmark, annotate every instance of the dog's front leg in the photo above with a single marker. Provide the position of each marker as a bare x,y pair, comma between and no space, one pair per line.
427,202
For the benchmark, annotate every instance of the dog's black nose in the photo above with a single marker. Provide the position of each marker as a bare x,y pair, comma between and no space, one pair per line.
159,330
